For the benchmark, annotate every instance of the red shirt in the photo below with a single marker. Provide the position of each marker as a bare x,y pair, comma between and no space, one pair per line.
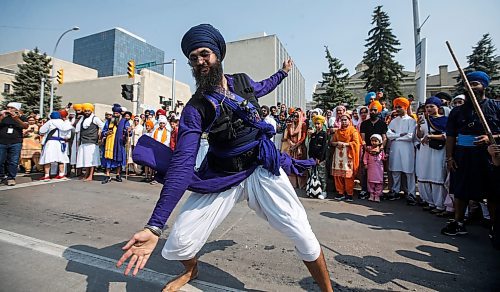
173,138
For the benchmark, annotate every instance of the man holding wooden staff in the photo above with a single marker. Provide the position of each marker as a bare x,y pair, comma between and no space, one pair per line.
467,158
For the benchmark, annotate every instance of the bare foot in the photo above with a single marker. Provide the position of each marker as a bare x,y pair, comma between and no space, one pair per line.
87,179
178,282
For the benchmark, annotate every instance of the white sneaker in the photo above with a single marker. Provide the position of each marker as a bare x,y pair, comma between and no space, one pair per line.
322,196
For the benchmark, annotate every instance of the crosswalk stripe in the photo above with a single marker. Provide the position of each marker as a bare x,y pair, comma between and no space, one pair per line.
100,262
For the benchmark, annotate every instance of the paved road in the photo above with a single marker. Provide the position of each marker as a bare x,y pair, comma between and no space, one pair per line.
66,236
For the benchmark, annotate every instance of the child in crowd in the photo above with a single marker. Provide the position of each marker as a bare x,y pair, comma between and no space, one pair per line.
174,123
149,132
317,150
373,161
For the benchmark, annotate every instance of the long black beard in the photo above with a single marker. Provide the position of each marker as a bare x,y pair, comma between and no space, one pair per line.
210,81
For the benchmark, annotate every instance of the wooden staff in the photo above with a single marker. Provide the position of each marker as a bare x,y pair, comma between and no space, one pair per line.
127,152
472,97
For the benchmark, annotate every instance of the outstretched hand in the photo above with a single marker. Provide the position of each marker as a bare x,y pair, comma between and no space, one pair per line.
287,65
139,248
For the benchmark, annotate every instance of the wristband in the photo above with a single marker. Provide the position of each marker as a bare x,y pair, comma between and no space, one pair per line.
155,230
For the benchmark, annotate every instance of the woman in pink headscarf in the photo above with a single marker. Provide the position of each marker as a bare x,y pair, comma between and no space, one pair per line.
337,113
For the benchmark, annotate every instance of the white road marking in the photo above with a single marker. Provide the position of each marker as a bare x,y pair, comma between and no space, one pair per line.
100,262
33,183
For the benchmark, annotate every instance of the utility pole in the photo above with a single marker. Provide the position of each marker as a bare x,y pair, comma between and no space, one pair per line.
173,85
420,55
42,89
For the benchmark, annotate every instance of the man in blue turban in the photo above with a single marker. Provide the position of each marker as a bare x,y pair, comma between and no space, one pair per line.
472,176
242,163
479,76
369,97
115,134
56,133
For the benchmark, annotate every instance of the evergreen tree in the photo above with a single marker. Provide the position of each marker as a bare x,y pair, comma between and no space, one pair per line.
335,82
27,81
482,59
383,71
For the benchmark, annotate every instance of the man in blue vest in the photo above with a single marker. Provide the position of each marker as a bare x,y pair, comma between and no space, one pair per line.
242,163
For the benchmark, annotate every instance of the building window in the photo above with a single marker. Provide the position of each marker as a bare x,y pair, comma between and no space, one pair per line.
6,88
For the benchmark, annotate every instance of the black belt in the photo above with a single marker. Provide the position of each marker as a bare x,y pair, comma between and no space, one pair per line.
234,164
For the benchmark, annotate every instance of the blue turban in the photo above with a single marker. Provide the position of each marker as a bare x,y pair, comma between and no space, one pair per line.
117,108
434,100
55,115
479,76
204,36
369,96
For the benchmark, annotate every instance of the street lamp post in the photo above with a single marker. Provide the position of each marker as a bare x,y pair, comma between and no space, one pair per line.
52,70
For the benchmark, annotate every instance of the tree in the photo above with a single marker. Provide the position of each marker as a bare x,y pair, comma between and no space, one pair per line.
482,59
335,82
27,81
383,71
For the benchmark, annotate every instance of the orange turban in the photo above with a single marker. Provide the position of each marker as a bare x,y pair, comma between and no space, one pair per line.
88,107
291,110
402,102
78,107
63,113
149,123
376,104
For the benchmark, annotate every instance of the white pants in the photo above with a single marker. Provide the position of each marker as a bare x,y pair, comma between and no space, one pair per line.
433,194
410,182
271,197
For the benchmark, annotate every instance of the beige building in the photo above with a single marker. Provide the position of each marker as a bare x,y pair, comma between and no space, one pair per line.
444,81
81,84
260,56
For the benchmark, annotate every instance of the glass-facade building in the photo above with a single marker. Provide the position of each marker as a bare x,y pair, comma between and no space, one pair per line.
109,52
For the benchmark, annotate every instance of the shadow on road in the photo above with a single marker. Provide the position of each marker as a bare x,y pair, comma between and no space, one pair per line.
460,269
99,280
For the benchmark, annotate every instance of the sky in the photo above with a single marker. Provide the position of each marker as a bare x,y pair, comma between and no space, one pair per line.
304,27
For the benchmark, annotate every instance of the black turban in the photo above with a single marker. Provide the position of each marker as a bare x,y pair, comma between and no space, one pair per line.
204,36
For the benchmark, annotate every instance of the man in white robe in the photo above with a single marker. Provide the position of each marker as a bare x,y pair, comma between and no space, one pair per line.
56,134
401,132
87,129
268,118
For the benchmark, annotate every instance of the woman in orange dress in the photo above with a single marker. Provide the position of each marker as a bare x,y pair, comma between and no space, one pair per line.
295,136
347,144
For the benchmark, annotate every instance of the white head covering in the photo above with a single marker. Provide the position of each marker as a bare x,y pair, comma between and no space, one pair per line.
376,136
162,119
124,109
318,111
16,105
461,96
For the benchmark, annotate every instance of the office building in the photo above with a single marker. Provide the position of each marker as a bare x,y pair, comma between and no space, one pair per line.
109,52
260,56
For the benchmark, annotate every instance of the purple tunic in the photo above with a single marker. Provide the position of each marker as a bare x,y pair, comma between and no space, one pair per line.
180,174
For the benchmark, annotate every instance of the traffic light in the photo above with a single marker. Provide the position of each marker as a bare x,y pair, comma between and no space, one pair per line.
131,69
128,92
166,102
60,76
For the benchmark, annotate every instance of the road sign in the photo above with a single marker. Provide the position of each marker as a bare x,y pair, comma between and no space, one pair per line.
145,65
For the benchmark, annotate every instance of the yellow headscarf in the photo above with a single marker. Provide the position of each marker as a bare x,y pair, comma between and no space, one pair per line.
319,118
78,107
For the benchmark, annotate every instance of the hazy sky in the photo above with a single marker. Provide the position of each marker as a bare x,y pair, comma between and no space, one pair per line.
304,27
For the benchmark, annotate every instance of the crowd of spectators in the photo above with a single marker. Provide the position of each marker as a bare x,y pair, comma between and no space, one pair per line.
399,151
427,157
31,144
